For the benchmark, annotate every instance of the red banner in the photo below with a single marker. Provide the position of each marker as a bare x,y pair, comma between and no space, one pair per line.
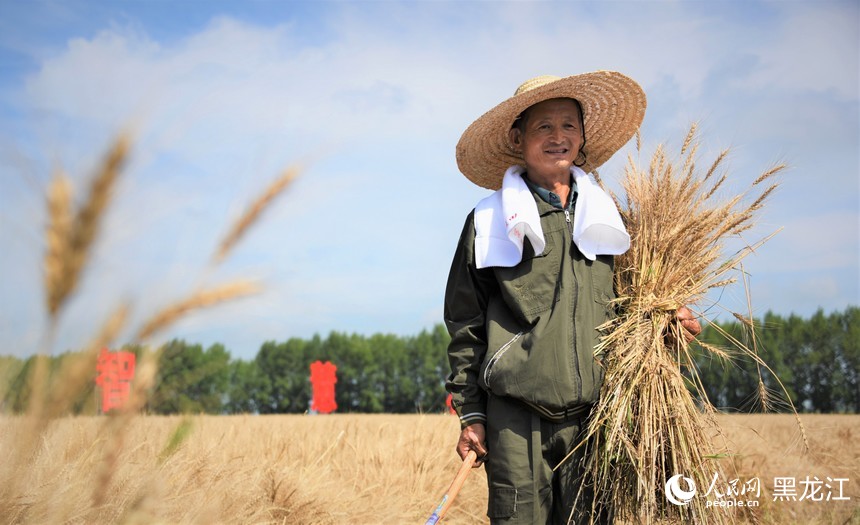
323,380
115,372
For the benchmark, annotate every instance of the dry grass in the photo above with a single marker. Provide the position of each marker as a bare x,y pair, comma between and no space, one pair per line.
344,469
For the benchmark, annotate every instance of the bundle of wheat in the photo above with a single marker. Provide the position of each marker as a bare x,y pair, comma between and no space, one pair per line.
652,419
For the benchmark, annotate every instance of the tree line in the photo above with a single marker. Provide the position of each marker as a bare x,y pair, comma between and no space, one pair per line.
375,374
817,359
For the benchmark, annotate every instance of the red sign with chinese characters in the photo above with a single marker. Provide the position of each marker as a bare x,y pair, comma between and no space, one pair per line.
323,380
115,372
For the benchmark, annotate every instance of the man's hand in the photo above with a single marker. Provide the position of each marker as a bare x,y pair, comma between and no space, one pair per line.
689,323
473,437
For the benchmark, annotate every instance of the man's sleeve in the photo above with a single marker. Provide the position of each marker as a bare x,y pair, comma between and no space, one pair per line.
466,297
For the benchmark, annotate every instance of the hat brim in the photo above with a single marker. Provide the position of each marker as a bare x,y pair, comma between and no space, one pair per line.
613,107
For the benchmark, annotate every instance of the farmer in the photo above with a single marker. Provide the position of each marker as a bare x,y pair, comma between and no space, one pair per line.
531,280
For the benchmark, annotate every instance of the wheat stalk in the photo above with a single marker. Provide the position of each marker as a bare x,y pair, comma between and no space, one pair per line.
254,211
70,239
57,237
196,301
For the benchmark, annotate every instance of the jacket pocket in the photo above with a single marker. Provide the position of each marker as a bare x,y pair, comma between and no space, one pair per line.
494,359
531,287
603,286
502,503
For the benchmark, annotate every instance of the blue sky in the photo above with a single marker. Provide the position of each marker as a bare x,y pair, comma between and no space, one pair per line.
221,96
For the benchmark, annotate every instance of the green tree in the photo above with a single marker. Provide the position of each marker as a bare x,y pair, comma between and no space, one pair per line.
16,396
190,379
357,372
816,359
283,385
10,370
245,391
823,373
775,349
850,357
428,364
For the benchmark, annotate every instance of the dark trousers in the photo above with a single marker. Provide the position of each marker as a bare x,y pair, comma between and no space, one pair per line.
523,450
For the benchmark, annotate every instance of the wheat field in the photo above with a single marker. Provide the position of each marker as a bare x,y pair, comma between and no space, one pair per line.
342,469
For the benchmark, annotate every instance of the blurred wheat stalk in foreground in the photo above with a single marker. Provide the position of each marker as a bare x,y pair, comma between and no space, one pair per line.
71,232
653,416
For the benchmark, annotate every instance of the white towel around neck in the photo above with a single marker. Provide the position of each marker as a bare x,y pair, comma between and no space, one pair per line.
503,220
508,216
597,225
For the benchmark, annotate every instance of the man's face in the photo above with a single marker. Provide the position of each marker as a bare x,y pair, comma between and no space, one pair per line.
550,139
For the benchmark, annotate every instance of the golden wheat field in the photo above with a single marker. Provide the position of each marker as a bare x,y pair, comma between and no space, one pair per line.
341,469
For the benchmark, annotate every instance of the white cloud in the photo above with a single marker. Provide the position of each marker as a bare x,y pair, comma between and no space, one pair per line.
815,49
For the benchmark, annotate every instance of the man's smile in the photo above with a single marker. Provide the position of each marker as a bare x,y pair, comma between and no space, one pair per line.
557,151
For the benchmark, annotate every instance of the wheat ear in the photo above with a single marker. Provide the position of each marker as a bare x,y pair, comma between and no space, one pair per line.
70,239
200,299
57,237
254,211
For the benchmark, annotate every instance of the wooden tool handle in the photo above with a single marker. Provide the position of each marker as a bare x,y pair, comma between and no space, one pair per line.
452,491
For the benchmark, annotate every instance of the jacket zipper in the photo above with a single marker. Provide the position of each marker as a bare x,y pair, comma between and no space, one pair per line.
498,356
573,308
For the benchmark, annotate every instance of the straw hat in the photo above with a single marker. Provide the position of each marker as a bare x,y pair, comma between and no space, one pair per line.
613,107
